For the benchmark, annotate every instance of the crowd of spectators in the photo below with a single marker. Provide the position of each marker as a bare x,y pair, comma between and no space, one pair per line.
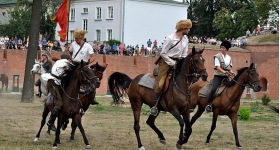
14,42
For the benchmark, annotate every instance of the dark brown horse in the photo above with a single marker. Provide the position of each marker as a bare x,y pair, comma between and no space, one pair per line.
85,101
5,81
175,100
71,108
228,102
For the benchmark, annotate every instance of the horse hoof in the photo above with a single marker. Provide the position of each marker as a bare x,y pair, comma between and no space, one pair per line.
207,143
162,142
36,139
142,148
178,146
88,147
240,147
54,147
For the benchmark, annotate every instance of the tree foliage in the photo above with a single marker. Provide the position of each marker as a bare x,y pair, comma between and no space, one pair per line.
20,18
229,18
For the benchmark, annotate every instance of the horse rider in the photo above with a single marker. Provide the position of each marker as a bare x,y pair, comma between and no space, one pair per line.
174,47
223,65
47,65
80,50
54,86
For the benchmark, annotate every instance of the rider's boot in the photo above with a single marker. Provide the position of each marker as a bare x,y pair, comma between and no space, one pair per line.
208,107
52,119
94,102
39,94
154,110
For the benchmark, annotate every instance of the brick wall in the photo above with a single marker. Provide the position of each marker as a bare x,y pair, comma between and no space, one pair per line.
266,58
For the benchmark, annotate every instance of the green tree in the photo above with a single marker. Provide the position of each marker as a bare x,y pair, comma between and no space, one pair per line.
20,18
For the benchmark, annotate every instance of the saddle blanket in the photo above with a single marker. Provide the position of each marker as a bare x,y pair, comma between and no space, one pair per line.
147,81
204,92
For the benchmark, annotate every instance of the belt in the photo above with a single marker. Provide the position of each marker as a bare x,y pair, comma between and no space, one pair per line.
222,68
55,76
174,58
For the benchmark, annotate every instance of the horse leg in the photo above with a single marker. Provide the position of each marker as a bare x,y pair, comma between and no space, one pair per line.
233,117
136,113
57,133
213,126
151,123
177,115
198,113
74,127
43,121
188,127
79,124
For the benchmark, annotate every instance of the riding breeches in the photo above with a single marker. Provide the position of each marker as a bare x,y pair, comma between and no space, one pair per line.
163,68
215,84
54,89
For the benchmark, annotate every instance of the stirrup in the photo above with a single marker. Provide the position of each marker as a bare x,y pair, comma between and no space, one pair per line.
154,111
208,108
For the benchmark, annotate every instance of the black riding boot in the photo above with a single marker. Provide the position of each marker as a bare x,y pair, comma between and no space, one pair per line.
154,110
52,119
39,94
94,102
208,106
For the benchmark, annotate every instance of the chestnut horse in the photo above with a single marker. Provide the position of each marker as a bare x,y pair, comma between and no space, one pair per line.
228,102
85,101
175,100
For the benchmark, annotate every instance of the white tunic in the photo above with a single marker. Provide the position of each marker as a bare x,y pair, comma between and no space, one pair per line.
84,53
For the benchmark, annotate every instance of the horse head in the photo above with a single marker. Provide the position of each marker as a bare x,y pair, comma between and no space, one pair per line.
197,63
253,78
37,68
98,71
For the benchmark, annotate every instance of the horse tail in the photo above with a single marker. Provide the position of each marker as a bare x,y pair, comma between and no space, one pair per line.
117,83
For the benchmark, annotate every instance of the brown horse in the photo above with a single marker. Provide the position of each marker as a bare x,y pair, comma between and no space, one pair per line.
5,80
228,102
174,100
85,101
71,108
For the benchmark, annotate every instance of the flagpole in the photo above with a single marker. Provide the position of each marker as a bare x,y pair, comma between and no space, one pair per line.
68,21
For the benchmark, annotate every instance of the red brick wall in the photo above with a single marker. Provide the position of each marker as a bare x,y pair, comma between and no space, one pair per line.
264,56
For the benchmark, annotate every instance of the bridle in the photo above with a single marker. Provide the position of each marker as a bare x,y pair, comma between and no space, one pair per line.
196,73
248,84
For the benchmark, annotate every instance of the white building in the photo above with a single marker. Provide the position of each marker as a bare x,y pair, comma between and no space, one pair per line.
129,21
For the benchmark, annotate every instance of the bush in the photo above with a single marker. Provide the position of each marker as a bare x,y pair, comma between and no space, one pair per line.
265,99
244,113
255,107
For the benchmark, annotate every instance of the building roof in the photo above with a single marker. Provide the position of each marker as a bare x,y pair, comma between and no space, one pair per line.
3,2
3,20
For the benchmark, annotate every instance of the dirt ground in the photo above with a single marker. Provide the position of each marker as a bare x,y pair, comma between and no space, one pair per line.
111,128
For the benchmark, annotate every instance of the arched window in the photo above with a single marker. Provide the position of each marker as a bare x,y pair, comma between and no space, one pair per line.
263,82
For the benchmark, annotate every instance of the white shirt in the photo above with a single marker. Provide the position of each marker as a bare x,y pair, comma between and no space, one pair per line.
180,50
226,58
84,53
57,69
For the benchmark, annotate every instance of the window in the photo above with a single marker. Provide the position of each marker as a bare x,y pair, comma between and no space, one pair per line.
98,13
72,14
248,91
98,35
85,10
71,36
109,34
110,12
85,24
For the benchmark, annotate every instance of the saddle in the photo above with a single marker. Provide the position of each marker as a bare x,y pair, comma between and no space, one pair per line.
204,92
151,80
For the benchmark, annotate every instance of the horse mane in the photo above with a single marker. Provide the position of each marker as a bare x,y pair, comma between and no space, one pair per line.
68,73
239,72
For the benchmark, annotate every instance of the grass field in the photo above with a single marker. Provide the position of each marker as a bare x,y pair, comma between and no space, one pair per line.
111,128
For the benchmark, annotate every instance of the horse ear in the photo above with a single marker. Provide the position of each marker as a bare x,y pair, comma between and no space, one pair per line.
253,66
193,50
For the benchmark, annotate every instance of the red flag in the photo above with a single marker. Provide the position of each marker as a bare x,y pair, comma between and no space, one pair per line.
62,18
